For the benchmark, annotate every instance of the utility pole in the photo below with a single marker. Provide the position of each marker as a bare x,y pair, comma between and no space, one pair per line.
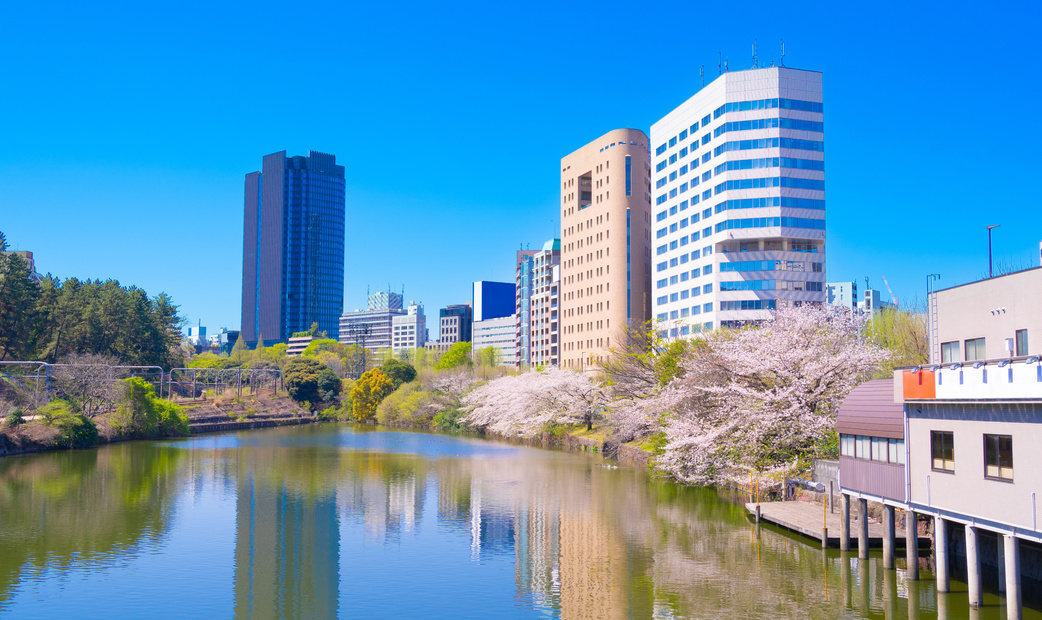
991,272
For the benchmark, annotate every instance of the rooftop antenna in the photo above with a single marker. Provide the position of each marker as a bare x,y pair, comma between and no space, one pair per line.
720,63
725,66
781,63
755,63
702,73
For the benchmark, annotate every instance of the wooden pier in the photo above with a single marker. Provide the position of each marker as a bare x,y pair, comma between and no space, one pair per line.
805,518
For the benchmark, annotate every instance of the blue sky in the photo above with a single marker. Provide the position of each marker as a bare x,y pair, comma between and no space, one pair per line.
128,129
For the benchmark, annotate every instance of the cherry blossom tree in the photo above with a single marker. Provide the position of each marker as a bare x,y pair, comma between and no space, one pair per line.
523,405
762,397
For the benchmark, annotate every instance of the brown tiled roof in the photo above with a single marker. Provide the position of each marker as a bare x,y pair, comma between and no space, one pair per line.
870,409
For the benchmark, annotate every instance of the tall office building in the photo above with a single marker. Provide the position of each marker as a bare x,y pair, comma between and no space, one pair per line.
409,331
293,247
605,245
493,300
537,305
739,200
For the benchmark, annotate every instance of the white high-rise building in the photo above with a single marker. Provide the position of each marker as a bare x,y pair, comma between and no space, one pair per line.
409,331
739,201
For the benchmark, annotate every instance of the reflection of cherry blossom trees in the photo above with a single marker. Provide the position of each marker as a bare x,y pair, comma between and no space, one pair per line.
525,404
762,397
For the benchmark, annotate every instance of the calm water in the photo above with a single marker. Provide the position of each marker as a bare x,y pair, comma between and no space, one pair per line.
325,521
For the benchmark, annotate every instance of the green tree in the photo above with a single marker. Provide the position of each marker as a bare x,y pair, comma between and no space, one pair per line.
457,356
309,380
369,391
902,333
19,307
399,372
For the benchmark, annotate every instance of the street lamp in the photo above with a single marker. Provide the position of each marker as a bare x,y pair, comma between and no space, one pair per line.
991,273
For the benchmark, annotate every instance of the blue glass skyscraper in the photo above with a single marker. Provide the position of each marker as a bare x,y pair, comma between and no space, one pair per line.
293,247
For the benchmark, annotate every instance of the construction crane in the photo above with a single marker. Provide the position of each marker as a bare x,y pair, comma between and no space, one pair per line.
897,302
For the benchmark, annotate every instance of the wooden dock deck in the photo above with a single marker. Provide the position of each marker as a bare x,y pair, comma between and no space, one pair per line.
805,518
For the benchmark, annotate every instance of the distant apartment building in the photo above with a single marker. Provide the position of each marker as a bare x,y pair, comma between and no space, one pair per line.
605,283
995,318
842,295
872,303
499,334
293,247
537,306
524,277
409,331
739,200
455,323
372,327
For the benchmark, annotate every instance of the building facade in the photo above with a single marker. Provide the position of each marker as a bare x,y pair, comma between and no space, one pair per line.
989,319
605,245
293,247
499,334
524,276
842,295
373,327
409,331
538,306
455,323
739,200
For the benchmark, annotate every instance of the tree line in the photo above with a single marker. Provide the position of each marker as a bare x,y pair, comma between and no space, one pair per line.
49,319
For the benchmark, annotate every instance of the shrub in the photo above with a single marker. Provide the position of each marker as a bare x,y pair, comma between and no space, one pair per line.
399,372
450,420
75,430
14,418
141,414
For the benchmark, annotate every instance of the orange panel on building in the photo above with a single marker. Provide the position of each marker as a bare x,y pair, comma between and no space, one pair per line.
919,385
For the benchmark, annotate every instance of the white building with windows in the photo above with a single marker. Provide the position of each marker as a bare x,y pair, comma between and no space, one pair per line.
738,176
409,331
498,333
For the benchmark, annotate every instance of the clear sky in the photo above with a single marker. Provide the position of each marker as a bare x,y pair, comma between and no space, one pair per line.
128,129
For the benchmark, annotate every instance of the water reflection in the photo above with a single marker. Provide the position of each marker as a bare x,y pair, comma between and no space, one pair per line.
327,521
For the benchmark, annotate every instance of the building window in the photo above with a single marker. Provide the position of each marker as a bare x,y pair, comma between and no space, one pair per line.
998,457
974,349
942,449
1022,342
846,445
949,352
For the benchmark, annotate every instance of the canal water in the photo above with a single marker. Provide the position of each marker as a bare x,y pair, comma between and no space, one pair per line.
327,521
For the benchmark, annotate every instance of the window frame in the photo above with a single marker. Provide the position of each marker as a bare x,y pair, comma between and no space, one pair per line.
947,465
995,442
1017,340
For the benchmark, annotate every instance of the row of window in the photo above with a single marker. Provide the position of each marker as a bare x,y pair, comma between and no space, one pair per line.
769,182
748,304
878,449
770,162
770,123
767,222
770,265
768,143
769,104
975,349
782,201
683,312
998,454
771,285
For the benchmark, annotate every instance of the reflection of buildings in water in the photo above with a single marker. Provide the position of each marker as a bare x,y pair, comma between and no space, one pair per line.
593,568
386,496
491,524
538,548
287,552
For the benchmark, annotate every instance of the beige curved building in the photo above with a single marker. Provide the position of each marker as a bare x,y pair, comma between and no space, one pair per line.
605,245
